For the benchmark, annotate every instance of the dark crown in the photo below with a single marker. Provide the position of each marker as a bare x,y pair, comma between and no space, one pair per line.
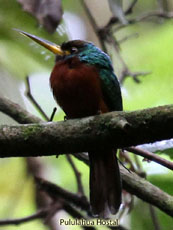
73,43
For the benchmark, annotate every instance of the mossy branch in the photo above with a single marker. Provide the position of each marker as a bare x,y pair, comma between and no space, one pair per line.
115,129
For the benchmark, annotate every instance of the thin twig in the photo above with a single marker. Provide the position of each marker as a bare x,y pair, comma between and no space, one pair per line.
105,34
16,112
30,96
127,73
143,17
166,15
124,39
82,157
138,165
114,43
140,171
130,7
163,5
41,199
154,217
40,214
127,159
115,20
53,114
56,192
150,156
80,189
145,190
94,25
160,5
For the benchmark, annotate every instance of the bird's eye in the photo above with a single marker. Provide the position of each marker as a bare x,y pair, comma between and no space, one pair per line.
74,50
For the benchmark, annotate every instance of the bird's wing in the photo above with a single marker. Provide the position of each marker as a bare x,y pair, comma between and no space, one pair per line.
111,89
109,82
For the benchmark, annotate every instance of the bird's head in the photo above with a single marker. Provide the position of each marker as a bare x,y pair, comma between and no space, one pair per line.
86,51
66,49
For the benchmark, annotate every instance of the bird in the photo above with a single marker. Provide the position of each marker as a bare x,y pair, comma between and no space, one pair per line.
84,84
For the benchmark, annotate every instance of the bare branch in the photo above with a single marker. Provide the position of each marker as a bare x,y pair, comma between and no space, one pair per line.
124,39
83,135
34,165
56,192
154,217
40,214
94,25
30,96
130,8
166,15
143,17
147,192
135,75
77,175
53,114
16,112
143,189
151,156
115,20
55,207
126,159
125,72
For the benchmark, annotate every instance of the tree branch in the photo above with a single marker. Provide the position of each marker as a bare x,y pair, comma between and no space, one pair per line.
131,182
141,188
94,25
143,17
154,218
40,214
151,156
30,96
56,192
161,14
80,189
80,135
147,192
16,112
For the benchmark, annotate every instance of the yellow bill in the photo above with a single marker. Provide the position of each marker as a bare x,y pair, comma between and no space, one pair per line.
56,49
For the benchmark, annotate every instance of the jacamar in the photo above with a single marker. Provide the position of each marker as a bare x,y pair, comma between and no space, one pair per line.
84,84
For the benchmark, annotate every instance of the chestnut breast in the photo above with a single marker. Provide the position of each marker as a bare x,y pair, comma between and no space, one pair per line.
77,88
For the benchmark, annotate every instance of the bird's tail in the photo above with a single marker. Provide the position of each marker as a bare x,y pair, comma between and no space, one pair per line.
105,183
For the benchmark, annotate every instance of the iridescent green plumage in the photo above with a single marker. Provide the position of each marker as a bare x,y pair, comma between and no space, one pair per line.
92,55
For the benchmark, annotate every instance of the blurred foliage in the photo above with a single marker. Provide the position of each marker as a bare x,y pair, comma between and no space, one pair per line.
151,51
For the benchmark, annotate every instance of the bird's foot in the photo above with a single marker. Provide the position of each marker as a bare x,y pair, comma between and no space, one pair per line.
65,118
